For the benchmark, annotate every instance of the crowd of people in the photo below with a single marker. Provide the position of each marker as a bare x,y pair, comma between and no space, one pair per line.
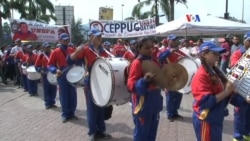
212,92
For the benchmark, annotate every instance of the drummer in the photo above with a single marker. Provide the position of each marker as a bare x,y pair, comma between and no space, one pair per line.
30,59
131,52
57,64
95,114
20,58
49,90
242,106
146,97
173,98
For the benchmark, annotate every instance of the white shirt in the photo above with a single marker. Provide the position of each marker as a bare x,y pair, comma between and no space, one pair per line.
15,49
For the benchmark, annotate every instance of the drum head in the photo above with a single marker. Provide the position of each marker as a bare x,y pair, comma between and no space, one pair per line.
31,69
75,74
101,82
191,66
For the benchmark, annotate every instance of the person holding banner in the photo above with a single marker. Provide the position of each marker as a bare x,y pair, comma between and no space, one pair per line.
24,33
58,65
49,90
95,114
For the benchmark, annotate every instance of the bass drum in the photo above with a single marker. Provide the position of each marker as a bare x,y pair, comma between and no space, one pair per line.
107,82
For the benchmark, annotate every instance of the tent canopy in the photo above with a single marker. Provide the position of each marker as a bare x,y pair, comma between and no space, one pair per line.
206,25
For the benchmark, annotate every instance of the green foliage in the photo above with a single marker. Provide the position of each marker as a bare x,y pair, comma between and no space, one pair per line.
76,35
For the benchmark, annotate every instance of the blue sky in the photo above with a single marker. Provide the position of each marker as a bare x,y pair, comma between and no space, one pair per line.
89,9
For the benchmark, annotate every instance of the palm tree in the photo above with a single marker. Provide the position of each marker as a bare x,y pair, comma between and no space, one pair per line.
36,10
167,7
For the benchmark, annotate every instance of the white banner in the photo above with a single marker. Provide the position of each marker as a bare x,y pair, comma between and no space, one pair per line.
125,29
36,31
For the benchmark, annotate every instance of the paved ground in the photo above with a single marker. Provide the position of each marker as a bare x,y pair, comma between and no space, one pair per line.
23,118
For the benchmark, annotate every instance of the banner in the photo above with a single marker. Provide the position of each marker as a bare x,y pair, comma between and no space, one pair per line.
34,31
125,29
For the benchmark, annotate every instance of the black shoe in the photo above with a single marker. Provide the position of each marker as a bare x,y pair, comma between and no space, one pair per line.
103,135
74,117
5,83
47,107
53,106
171,119
178,116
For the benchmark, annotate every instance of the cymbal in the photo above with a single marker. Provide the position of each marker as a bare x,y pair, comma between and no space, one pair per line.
176,76
150,66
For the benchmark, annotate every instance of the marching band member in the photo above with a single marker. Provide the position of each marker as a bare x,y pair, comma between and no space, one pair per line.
144,93
173,98
57,64
95,114
107,45
119,49
242,106
49,90
20,57
210,95
30,59
131,53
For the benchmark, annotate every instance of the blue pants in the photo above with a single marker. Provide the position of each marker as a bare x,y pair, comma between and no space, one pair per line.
49,92
95,114
173,102
68,97
241,121
205,131
32,86
224,65
146,127
24,82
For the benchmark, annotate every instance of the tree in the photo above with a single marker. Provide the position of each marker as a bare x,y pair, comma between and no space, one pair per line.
167,7
76,35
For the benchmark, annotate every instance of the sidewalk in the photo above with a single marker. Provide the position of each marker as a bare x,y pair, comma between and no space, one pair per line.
24,118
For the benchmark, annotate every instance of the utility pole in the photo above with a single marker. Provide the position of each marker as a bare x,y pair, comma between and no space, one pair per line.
64,16
243,7
156,13
226,15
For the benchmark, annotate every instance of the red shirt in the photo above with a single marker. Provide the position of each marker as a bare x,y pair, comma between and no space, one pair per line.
58,57
225,56
20,56
235,57
129,55
119,50
202,88
25,36
90,56
42,61
30,59
155,52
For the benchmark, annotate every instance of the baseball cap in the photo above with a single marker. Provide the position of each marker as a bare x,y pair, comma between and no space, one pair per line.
107,43
64,36
172,37
47,45
24,44
132,41
95,32
29,46
247,35
211,47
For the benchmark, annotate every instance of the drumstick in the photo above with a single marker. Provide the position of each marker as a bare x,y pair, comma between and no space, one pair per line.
110,54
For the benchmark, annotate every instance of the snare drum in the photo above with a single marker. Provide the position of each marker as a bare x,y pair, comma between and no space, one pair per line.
24,70
32,73
107,82
51,78
191,67
75,76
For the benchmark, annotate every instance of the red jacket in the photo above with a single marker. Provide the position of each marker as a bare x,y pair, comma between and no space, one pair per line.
42,62
30,59
119,50
236,56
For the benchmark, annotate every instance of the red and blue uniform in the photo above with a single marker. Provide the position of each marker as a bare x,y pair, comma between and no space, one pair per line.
95,114
67,93
119,50
208,115
49,90
146,119
20,57
30,59
173,98
242,108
